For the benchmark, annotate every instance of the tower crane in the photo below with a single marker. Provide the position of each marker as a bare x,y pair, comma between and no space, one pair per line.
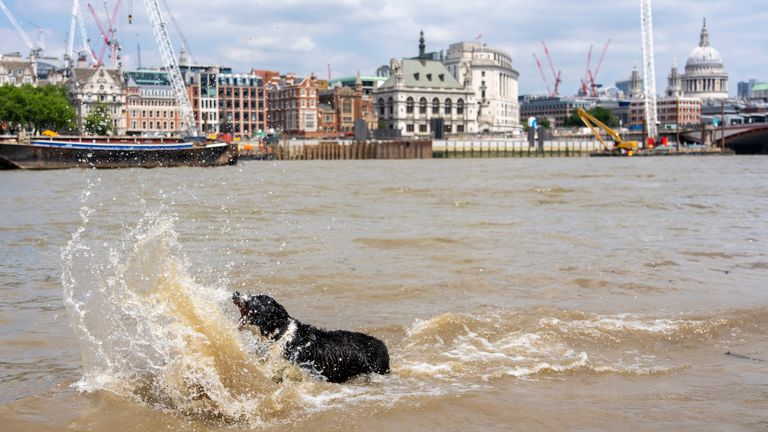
649,81
77,20
36,50
160,29
543,75
556,75
593,76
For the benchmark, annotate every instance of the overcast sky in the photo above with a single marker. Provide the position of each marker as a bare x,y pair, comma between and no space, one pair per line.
304,36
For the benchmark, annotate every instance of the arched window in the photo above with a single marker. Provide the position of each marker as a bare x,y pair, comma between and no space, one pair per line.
347,106
448,106
409,105
381,107
423,106
391,105
435,106
460,106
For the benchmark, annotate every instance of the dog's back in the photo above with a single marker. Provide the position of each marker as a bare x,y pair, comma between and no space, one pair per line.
337,355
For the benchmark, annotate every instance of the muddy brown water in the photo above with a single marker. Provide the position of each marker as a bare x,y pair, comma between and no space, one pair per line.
547,294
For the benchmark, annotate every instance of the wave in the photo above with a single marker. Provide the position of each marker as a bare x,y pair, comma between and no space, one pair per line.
149,332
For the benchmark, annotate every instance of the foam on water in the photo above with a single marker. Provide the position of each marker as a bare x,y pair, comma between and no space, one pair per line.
150,332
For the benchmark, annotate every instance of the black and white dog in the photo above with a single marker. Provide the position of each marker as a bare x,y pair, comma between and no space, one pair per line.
335,355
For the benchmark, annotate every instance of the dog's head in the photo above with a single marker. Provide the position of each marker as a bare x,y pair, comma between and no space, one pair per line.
263,312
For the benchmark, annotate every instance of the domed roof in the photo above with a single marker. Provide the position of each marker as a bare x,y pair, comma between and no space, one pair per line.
704,54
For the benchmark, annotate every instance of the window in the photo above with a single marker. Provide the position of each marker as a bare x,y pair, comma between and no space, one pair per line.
448,107
391,106
435,106
460,106
423,128
381,107
409,128
409,108
423,106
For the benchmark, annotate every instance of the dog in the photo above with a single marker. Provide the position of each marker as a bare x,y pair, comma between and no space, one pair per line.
336,356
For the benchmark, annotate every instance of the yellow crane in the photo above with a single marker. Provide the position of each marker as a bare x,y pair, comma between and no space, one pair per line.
591,122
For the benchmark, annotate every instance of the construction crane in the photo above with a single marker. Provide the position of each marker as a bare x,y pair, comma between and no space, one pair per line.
109,36
184,44
649,78
35,50
543,75
587,74
593,76
77,19
593,123
555,75
160,29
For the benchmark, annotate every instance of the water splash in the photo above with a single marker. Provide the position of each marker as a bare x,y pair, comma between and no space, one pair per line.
150,332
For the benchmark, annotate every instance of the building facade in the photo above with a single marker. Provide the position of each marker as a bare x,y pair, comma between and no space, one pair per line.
293,106
421,90
705,76
242,104
151,108
555,109
494,81
88,87
203,90
16,70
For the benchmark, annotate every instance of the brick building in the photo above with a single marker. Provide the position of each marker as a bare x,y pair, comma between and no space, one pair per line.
242,104
293,106
151,107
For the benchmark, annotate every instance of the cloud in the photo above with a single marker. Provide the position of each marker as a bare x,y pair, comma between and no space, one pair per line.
304,36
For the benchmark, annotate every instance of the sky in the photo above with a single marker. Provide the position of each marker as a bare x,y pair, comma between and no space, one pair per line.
305,36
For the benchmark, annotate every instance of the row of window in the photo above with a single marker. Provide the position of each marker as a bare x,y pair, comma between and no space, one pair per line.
135,113
163,126
389,106
424,128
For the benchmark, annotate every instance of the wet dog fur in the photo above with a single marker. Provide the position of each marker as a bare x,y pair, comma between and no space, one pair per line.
336,355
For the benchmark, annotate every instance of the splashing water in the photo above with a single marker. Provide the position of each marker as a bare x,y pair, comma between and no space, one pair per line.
150,332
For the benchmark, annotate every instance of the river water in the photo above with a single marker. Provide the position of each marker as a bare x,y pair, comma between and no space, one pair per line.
513,294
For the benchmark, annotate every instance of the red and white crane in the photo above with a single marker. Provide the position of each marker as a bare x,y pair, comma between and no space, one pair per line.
552,92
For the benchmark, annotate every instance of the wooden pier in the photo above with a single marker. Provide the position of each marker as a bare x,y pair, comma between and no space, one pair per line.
335,150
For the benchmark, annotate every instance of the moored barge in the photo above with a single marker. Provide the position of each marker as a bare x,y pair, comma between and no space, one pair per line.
39,153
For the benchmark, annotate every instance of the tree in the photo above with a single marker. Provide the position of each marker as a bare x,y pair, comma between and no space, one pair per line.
99,121
599,113
36,108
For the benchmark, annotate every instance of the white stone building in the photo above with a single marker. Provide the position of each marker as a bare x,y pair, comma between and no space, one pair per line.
420,90
16,70
705,76
493,80
90,86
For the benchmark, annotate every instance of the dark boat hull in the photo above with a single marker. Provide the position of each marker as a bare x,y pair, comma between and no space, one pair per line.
39,155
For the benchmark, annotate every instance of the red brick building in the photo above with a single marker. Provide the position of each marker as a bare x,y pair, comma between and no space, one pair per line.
293,106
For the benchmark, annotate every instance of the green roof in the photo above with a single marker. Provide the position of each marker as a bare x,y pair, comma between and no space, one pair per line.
760,87
425,73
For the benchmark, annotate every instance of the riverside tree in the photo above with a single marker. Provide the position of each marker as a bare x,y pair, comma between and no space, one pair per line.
35,109
99,121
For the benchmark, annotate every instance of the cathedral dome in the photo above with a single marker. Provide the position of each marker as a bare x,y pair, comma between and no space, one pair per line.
704,56
705,76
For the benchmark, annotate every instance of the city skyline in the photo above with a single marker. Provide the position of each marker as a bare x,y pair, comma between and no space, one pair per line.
351,35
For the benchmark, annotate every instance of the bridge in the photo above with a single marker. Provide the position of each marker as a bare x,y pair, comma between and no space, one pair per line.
743,139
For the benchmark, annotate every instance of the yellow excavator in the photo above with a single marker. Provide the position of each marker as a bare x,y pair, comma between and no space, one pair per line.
620,146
